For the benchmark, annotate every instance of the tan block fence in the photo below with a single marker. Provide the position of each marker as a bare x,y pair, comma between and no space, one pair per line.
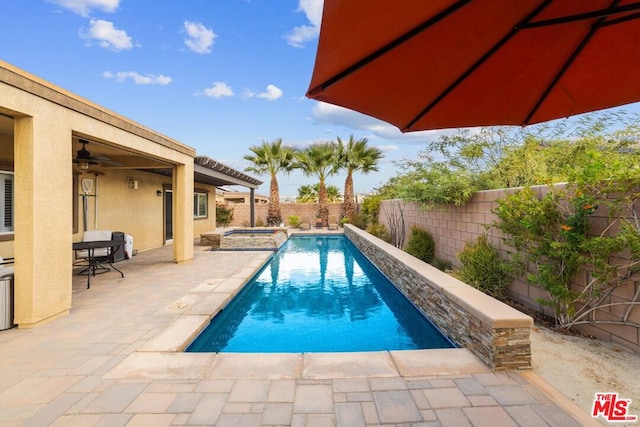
453,226
241,213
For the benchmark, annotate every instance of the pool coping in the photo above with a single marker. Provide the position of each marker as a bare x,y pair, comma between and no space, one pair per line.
496,333
163,357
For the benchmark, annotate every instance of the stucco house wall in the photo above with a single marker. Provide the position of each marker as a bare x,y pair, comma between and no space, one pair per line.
46,118
137,212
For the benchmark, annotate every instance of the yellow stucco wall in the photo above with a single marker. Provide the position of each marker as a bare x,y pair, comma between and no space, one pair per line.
45,118
135,212
138,213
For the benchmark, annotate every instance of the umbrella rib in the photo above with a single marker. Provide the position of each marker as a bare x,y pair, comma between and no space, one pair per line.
388,47
475,66
566,66
620,20
602,13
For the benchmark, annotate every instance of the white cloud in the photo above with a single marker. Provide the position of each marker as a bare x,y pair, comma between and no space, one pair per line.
339,116
313,10
139,79
272,93
387,148
304,33
84,7
107,35
218,90
199,38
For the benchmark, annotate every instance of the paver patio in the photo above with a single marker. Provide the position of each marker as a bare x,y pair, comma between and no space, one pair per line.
110,363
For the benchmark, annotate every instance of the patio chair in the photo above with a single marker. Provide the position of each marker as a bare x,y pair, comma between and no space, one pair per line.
101,254
333,223
304,224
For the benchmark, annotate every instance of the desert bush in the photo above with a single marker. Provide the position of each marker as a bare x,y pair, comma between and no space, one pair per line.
380,231
359,222
483,268
421,244
293,220
441,264
370,209
224,214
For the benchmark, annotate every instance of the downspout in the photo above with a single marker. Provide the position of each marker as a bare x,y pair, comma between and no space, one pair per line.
252,208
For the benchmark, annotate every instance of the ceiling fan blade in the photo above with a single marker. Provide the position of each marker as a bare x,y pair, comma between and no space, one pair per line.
84,156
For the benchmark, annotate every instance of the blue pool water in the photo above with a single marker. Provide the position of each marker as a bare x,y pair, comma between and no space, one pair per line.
319,294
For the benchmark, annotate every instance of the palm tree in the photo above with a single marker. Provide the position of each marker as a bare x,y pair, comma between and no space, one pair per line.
319,160
309,193
355,156
333,194
271,158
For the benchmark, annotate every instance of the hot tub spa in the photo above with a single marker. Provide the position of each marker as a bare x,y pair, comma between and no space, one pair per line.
252,239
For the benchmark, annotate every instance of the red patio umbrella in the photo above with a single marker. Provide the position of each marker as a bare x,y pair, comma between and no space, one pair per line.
433,64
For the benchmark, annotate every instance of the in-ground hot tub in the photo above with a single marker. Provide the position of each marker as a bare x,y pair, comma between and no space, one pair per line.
253,239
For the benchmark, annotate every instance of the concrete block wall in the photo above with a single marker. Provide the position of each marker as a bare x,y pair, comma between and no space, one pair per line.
241,213
453,226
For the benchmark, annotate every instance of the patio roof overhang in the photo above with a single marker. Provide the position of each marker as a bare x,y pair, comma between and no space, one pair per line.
213,172
210,171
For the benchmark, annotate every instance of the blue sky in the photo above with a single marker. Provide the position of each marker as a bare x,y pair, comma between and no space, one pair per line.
217,75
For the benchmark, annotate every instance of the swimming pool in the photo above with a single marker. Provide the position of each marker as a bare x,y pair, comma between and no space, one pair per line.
319,294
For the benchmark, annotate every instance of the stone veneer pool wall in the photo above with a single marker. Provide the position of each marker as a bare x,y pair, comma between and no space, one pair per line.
239,238
496,333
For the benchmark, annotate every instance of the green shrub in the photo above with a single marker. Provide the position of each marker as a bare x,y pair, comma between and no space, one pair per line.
294,220
483,268
359,222
224,214
259,223
380,231
421,244
441,264
370,209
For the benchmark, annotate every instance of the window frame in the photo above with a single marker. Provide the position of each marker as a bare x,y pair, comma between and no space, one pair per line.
6,233
200,196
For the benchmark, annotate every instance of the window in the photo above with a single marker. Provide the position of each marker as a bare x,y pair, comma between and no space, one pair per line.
200,203
6,202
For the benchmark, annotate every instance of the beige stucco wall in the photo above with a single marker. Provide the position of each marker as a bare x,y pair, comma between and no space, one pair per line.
202,225
135,212
45,118
139,213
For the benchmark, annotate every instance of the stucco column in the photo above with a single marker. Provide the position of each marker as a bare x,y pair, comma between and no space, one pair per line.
43,220
183,212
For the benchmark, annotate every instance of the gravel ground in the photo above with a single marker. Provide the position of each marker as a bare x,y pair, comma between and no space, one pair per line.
579,367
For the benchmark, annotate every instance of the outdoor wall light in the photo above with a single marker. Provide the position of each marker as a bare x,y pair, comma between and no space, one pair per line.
159,193
132,183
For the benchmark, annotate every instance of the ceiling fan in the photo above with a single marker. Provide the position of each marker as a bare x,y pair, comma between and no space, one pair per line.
84,159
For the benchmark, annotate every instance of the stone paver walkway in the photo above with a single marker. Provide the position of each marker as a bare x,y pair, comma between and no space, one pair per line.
112,362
